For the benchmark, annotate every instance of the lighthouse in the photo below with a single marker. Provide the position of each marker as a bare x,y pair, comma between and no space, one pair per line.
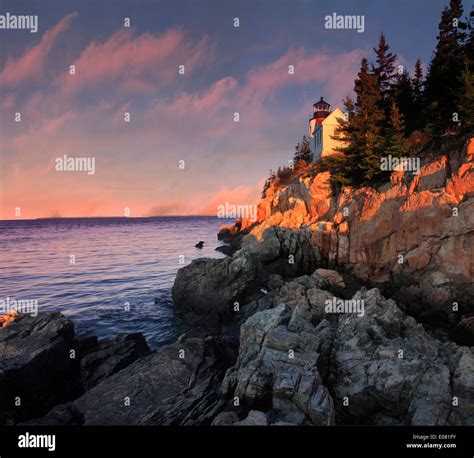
322,125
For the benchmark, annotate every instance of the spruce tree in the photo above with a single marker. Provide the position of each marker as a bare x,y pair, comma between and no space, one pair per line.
417,81
417,92
443,81
385,70
403,97
345,167
397,145
361,131
466,93
466,99
303,151
368,121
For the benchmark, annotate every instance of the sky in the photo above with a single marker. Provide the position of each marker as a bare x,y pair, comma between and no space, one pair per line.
182,153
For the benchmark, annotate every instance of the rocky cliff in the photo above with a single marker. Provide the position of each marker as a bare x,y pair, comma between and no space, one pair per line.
414,237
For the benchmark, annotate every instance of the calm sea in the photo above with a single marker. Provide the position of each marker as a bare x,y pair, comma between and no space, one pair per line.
118,261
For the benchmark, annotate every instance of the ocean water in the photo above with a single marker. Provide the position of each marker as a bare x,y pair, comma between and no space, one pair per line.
118,261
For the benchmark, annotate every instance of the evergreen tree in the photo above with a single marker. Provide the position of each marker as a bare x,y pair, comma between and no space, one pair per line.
466,93
443,81
416,121
303,151
417,81
368,121
361,131
385,70
466,99
403,97
345,167
397,145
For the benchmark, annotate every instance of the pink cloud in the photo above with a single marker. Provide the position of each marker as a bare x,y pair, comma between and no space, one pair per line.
31,65
215,98
137,64
322,69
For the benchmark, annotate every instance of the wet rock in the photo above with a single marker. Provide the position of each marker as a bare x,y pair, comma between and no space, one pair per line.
225,249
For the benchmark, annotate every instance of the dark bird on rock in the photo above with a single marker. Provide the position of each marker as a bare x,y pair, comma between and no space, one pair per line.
199,245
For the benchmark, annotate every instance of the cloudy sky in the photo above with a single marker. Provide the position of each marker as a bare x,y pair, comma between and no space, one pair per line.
175,117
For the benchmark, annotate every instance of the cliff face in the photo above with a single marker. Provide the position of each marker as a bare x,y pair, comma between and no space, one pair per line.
414,236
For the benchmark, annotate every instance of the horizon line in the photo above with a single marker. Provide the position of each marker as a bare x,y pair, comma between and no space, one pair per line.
110,217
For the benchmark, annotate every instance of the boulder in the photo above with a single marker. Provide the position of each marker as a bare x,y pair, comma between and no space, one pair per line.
37,366
334,278
110,356
204,291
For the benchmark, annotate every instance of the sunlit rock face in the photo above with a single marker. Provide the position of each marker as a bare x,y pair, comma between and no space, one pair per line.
8,318
415,233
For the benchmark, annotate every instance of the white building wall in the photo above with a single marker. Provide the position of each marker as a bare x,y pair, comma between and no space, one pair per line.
317,143
324,144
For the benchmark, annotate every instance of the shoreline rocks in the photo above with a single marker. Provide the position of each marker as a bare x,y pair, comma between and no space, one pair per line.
36,370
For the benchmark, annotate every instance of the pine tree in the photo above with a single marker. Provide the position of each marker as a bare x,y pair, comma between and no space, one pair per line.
443,81
397,145
303,151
